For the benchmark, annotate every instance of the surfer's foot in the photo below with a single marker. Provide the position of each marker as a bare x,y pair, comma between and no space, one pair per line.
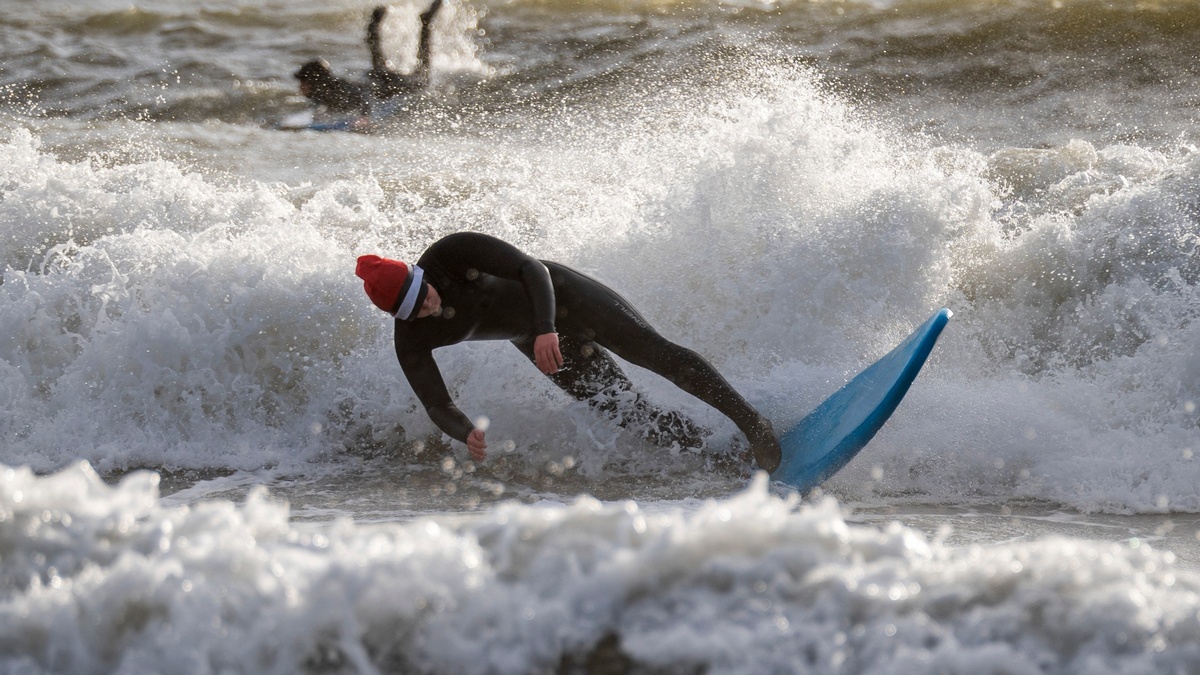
427,15
764,446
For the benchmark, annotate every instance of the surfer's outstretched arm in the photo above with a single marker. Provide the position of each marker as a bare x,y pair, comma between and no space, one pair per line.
427,383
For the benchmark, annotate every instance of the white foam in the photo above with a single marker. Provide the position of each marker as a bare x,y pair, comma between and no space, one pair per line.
101,577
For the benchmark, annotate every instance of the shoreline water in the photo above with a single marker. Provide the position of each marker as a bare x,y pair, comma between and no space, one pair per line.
376,499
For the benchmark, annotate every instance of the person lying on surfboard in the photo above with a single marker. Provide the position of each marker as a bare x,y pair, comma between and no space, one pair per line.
472,286
319,85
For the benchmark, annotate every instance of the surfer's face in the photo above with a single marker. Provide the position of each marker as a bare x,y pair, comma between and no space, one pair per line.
432,305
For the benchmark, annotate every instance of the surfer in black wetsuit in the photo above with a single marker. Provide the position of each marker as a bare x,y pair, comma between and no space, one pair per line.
471,286
322,87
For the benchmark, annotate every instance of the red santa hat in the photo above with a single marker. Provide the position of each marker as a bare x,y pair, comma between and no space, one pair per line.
394,286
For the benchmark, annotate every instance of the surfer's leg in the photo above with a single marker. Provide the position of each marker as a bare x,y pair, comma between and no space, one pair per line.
384,80
424,45
692,373
612,321
379,61
590,374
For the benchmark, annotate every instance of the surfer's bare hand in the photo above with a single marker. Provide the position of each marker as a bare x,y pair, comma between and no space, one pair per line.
476,445
547,353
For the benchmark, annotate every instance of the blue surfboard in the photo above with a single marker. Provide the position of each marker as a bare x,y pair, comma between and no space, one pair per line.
835,431
306,120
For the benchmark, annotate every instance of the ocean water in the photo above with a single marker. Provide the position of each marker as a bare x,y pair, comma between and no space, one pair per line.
210,461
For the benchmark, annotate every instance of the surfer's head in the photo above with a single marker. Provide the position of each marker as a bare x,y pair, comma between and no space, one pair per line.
314,71
396,287
313,76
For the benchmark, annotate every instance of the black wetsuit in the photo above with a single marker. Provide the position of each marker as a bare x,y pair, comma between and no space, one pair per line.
490,290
